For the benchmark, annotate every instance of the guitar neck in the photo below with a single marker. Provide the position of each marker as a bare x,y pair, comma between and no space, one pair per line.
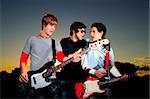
138,73
55,68
110,81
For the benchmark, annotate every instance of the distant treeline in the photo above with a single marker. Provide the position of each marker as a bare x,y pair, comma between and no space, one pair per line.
135,87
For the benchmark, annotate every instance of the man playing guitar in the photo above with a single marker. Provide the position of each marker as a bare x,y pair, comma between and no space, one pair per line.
99,64
42,49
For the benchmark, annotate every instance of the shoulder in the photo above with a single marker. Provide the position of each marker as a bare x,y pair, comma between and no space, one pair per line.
32,37
57,43
84,41
65,39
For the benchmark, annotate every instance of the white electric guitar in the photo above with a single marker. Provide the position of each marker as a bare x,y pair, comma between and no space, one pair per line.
43,77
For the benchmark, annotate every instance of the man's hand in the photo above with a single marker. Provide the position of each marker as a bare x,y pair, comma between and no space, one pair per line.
124,77
99,73
56,64
23,78
77,56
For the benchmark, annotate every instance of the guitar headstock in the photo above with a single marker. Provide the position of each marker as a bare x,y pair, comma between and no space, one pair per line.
92,45
142,73
98,43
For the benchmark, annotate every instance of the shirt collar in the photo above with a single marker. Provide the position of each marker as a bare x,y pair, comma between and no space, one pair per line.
43,36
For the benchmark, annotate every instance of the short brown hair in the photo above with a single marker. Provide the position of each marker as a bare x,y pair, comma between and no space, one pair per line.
49,19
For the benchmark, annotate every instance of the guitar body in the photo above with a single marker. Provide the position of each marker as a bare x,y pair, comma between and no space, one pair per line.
87,88
79,90
92,85
37,79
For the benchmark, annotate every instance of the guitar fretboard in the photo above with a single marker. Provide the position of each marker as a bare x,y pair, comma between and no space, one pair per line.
84,50
112,80
55,68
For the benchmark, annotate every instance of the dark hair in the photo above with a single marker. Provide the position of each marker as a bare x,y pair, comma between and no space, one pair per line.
100,27
75,26
49,19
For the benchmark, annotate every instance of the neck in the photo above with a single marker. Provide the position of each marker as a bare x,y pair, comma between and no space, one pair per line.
44,34
95,40
73,38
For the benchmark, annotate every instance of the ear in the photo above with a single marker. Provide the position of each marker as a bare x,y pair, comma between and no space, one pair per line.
73,31
43,27
101,33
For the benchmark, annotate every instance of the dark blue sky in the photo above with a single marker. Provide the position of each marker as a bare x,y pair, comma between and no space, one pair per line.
127,23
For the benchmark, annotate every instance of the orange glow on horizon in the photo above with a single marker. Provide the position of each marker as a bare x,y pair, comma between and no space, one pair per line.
137,61
9,68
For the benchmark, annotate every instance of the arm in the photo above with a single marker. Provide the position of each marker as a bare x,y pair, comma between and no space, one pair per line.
69,51
114,71
63,55
23,61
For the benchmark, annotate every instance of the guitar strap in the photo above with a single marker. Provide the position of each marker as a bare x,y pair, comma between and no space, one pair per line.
54,50
107,57
107,61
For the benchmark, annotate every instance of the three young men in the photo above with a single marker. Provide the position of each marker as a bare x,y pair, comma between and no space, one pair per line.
40,49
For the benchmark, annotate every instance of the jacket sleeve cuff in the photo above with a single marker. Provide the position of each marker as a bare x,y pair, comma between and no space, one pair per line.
92,71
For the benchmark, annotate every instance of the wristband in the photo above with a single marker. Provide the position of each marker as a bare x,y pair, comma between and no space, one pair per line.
92,71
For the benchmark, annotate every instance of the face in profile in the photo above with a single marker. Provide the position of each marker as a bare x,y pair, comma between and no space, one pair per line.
80,34
95,34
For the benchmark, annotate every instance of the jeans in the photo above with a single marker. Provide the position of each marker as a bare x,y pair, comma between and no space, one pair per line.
67,89
50,91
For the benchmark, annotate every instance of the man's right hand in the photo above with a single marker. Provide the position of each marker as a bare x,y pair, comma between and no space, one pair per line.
99,73
23,78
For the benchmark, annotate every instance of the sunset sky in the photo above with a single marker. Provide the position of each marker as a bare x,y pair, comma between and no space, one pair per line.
127,23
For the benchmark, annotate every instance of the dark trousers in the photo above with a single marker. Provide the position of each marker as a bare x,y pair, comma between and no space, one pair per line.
44,93
51,91
67,89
